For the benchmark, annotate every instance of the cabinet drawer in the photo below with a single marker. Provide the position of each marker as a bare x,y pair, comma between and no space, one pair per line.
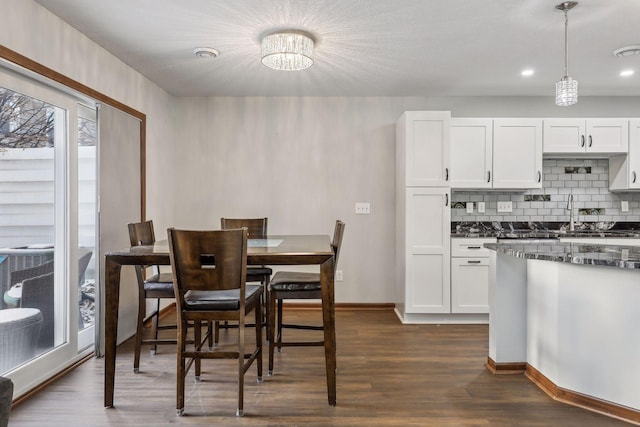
464,247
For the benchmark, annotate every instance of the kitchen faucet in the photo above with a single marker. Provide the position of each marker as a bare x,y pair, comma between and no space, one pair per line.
572,225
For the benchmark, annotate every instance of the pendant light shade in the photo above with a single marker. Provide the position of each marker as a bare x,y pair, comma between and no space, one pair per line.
566,91
566,88
288,51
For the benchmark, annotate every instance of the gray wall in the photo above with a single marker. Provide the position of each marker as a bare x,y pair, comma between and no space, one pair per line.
304,162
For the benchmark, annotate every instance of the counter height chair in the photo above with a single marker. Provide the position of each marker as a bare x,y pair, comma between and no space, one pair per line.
209,270
257,229
157,286
296,285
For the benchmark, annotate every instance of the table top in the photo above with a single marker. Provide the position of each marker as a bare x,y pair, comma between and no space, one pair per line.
293,249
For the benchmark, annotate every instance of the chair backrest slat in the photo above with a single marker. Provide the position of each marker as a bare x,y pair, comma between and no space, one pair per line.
256,227
141,233
336,243
208,260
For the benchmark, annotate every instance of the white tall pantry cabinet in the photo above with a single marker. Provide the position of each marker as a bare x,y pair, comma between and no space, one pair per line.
423,214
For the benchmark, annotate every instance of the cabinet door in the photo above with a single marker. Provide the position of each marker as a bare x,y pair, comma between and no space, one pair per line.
633,158
607,135
517,153
471,153
428,250
564,136
470,285
426,153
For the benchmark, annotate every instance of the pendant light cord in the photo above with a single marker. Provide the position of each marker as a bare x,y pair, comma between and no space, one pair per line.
566,43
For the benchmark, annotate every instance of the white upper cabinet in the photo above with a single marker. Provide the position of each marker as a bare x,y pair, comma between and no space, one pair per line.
471,153
422,157
517,153
624,169
580,136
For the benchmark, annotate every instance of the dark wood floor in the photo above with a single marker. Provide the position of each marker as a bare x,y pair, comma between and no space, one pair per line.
388,375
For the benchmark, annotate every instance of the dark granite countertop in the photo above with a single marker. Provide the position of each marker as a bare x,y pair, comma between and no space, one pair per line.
574,253
544,230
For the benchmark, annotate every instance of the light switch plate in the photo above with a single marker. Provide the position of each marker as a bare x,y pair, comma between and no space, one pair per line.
505,206
624,206
469,207
481,207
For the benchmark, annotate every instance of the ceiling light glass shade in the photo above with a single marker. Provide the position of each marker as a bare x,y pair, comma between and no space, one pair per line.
287,51
566,92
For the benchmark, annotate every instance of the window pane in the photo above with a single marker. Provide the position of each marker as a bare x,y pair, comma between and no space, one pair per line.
87,138
31,311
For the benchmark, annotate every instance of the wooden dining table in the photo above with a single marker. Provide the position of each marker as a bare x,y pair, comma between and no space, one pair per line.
275,250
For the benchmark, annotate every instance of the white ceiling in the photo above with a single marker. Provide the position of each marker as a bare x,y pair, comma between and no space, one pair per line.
368,47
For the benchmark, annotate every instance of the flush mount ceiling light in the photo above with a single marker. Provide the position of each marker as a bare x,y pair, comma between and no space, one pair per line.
288,51
206,52
627,50
566,88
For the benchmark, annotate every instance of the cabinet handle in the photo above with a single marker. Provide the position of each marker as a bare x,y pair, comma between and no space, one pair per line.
634,177
474,247
539,176
473,262
446,202
581,140
446,174
488,176
590,141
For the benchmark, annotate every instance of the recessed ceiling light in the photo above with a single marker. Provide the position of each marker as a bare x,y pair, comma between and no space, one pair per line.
627,50
626,73
528,72
206,52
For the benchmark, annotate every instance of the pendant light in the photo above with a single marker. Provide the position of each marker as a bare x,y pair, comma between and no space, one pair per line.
566,88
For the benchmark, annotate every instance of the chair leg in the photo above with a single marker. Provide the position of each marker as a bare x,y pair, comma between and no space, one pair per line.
279,336
197,344
240,411
139,326
259,319
216,333
156,320
265,298
182,332
271,329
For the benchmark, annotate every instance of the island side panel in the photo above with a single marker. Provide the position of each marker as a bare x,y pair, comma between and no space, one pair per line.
508,310
599,332
542,317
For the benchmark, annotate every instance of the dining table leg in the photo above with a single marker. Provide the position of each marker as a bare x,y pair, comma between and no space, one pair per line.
112,297
329,322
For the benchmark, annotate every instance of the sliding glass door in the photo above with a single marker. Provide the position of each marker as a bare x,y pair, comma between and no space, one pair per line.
47,230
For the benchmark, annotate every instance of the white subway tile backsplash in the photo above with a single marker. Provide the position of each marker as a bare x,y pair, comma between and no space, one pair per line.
590,191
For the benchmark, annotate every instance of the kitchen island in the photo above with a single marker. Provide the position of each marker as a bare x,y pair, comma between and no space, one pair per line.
568,316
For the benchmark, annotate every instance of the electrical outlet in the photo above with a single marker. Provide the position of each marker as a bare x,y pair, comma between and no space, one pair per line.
624,206
505,206
480,207
469,207
363,208
339,277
